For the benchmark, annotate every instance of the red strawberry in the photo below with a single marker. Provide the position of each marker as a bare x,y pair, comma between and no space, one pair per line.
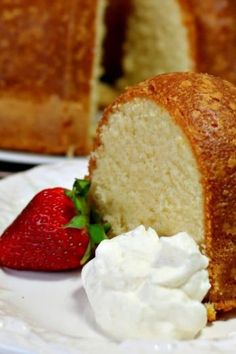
53,232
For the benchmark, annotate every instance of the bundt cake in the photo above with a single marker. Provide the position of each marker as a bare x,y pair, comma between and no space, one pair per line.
165,157
179,35
49,67
51,59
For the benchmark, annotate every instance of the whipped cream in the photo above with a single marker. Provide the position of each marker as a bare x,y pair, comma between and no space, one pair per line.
144,286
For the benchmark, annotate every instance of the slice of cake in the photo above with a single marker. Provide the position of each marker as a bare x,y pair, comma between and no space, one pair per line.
165,157
49,66
177,35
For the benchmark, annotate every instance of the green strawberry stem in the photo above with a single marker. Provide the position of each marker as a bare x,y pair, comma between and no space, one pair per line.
86,217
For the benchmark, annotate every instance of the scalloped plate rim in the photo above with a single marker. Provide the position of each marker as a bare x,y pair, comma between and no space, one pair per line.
17,335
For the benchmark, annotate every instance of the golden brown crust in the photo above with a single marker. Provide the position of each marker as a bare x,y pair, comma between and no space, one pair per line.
212,26
188,20
205,108
46,63
43,127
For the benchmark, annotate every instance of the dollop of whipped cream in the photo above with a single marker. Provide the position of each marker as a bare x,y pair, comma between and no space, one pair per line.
148,287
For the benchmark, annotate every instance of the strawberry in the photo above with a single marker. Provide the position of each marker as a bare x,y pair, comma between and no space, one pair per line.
56,231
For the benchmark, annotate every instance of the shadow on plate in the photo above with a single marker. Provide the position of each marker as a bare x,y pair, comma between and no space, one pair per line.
42,276
82,307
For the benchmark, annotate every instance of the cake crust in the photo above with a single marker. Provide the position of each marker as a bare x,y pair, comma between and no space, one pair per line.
47,74
215,27
205,108
211,26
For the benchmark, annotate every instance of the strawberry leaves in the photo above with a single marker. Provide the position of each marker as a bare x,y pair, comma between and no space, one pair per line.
86,218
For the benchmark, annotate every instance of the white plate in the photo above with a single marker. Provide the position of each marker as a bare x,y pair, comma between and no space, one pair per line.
48,313
31,158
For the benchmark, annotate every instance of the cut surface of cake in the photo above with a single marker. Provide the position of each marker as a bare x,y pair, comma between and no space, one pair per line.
165,157
177,35
159,38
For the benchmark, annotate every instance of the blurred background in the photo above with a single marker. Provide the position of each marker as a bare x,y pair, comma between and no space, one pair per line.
62,63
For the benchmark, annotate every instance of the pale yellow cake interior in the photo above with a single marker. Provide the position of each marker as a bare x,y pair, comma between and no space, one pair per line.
146,173
157,41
